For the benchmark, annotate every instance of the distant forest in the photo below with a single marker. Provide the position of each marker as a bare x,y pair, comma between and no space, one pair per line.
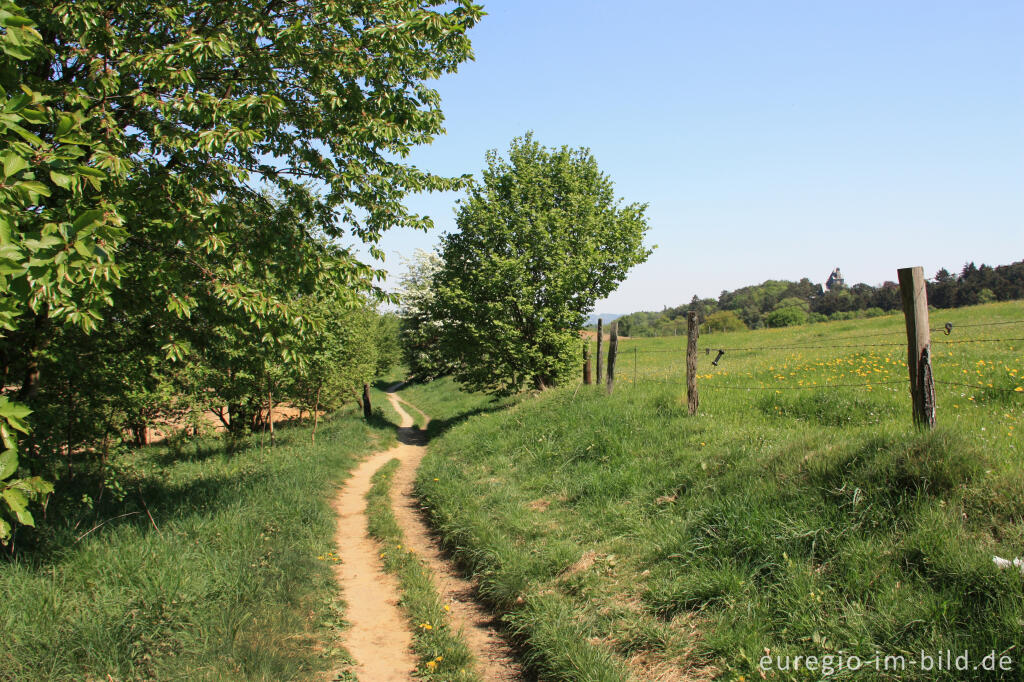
781,303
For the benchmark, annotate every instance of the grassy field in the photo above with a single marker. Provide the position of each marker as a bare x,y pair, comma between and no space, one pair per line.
230,580
799,513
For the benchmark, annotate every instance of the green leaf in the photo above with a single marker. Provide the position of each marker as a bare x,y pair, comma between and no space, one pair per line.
61,180
64,125
25,517
9,408
91,172
86,220
83,249
8,463
15,20
5,531
15,499
31,138
34,187
13,164
36,485
17,51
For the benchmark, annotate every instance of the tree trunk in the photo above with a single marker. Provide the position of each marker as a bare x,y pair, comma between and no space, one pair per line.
219,412
270,415
316,415
367,408
237,417
36,342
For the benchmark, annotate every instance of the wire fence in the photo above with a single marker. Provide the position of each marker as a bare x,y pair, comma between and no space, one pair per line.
721,352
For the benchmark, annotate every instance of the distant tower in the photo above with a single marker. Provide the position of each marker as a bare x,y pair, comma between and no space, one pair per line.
835,280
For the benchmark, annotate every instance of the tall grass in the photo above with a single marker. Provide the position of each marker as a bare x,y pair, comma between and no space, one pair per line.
229,580
624,538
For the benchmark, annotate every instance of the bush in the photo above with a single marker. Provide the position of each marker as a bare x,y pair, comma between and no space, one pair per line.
724,321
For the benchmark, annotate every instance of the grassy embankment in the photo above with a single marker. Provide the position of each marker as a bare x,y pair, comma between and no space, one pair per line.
230,580
624,538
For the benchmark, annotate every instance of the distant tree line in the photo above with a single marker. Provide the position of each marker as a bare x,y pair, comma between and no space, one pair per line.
781,303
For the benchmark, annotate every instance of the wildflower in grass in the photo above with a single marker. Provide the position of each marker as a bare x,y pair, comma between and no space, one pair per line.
426,626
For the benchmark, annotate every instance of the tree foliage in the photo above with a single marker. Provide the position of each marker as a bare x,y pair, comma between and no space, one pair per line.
541,238
200,165
420,332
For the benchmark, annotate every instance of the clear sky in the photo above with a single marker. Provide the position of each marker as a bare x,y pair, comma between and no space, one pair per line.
772,140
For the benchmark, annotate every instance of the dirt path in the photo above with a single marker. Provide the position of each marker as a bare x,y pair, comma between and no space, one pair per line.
379,638
480,630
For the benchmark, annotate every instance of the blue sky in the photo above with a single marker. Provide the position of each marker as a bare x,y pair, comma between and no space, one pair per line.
771,139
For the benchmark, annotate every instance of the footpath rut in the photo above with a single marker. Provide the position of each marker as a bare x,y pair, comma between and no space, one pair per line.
379,638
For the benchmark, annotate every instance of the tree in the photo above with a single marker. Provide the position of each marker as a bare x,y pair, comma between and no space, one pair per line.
541,238
420,334
139,136
724,321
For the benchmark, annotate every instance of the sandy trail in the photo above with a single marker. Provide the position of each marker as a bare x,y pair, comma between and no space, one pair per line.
479,627
379,638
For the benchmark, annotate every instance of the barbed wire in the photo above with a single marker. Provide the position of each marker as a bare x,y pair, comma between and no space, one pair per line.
977,324
705,386
797,347
978,388
957,341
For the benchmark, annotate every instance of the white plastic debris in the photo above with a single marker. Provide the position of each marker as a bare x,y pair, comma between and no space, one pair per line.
1006,563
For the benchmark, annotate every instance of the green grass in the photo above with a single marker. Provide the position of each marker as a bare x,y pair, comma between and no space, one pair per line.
442,653
622,537
446,404
231,579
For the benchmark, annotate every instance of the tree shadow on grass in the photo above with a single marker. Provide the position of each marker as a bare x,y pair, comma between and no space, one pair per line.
436,427
148,504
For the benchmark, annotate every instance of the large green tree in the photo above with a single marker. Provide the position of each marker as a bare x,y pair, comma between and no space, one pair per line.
139,138
541,238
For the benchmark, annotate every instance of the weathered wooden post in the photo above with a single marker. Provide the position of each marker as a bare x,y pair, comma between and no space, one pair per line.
919,361
600,340
586,363
692,400
367,408
613,351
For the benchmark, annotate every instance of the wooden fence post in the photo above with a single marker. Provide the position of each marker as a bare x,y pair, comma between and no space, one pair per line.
692,400
600,338
367,408
586,363
613,351
919,362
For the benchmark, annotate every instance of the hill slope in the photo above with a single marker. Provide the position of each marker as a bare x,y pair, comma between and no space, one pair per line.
624,538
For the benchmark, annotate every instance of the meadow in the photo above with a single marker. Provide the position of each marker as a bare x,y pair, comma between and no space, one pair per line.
215,565
799,513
